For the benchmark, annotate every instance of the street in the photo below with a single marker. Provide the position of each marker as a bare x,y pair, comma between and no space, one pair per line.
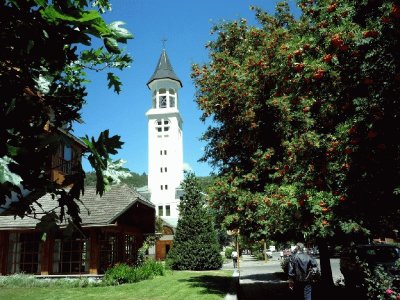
262,280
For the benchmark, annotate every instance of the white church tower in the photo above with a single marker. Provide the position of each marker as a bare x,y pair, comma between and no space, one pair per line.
165,147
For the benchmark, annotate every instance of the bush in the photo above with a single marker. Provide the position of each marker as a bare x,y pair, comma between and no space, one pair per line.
149,269
379,284
122,273
228,252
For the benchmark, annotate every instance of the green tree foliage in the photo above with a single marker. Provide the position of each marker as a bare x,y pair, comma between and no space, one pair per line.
205,183
46,48
305,112
195,242
134,180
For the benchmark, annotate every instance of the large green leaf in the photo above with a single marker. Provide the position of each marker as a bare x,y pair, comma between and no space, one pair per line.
41,2
99,156
112,45
119,33
113,81
5,174
52,14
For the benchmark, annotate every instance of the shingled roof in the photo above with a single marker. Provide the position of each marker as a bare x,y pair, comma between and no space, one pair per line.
164,70
95,210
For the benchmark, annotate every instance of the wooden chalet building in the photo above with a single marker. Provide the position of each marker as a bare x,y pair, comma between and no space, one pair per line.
114,226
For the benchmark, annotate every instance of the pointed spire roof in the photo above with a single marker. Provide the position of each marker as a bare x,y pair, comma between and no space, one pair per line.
164,70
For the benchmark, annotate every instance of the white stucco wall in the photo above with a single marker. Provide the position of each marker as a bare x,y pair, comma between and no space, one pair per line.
165,148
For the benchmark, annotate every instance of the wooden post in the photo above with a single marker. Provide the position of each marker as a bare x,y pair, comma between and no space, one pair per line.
94,252
47,257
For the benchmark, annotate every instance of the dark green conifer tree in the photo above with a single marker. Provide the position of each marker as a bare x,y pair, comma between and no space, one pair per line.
195,244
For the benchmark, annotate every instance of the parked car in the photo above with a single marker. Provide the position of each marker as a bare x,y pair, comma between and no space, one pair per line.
268,253
374,255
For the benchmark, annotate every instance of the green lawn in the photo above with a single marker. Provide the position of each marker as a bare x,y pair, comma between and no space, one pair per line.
176,285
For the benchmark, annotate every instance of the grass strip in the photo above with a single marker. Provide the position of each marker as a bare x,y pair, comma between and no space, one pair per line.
175,285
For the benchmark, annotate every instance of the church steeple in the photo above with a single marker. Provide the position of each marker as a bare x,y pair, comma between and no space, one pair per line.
165,141
164,70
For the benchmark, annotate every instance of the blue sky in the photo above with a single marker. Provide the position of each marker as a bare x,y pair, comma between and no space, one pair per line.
186,25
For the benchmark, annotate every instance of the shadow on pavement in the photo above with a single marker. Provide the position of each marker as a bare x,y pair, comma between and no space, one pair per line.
263,290
276,290
271,278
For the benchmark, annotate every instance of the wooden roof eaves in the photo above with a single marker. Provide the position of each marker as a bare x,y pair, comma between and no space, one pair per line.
138,200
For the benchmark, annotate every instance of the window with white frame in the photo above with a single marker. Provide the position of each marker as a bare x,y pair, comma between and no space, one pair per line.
166,98
162,98
172,98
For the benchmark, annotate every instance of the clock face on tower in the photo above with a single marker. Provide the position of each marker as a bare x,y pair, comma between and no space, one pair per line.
163,101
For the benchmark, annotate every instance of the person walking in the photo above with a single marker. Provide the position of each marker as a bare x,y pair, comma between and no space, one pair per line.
234,258
301,268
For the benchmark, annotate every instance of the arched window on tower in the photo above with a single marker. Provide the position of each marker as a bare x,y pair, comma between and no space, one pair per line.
162,98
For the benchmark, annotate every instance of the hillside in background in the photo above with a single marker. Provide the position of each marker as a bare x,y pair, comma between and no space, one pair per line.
137,181
205,183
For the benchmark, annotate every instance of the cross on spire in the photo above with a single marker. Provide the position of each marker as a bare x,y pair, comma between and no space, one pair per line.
164,40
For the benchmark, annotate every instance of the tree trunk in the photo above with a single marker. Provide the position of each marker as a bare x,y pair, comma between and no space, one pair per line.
325,264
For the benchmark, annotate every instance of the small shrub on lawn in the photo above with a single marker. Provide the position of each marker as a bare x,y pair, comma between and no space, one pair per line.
153,267
122,273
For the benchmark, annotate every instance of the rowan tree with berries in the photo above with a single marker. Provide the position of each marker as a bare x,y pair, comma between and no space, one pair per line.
305,129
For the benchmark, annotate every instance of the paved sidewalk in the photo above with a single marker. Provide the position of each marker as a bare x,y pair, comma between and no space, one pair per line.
256,280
